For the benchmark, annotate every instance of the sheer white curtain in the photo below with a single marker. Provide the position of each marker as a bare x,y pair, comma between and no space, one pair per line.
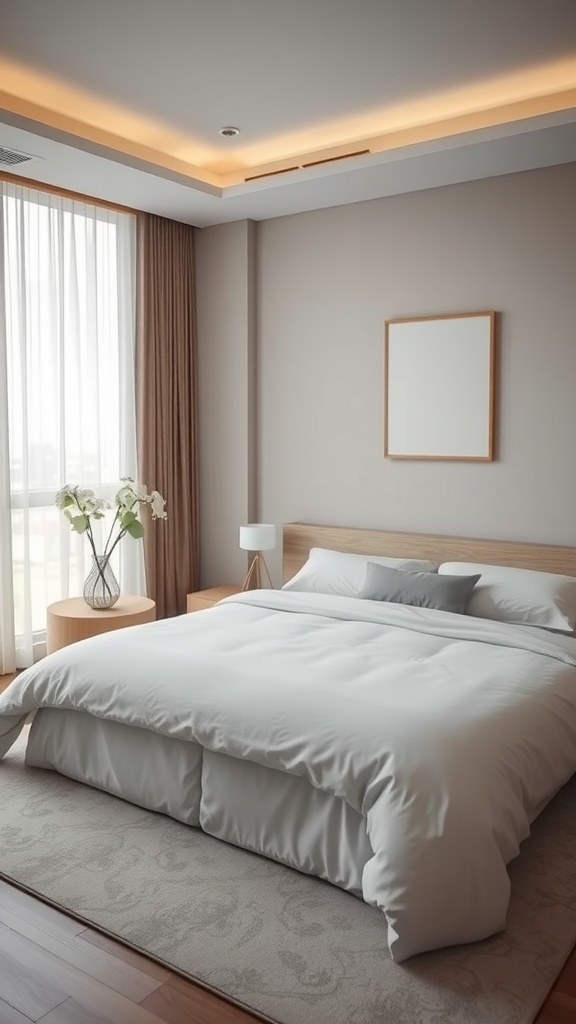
7,638
67,409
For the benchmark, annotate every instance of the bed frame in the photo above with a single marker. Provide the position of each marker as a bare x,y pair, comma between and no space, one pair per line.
298,538
235,799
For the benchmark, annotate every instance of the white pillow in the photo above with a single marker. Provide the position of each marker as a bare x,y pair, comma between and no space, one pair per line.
522,596
342,573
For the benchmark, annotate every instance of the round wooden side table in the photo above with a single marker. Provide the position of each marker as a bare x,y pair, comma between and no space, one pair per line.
72,619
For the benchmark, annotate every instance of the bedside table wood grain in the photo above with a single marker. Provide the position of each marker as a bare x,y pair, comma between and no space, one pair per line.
201,599
72,619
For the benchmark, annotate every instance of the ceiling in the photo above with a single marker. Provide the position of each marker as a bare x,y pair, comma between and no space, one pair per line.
336,101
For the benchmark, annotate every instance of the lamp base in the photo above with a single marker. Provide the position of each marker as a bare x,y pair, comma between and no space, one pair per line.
255,573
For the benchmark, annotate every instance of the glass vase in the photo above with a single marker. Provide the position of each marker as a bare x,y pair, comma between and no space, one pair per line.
101,588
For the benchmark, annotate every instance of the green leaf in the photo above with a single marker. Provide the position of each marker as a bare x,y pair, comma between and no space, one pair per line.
135,529
79,523
126,519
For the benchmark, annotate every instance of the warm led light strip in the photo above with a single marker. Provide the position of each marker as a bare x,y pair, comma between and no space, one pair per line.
524,94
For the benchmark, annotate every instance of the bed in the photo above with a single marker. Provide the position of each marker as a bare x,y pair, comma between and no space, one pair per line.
392,720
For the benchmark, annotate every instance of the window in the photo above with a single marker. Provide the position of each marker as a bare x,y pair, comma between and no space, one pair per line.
67,301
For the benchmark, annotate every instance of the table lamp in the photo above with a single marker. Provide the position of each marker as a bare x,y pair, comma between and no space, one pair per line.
257,537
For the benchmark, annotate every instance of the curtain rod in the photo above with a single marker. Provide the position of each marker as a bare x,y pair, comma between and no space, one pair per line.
41,186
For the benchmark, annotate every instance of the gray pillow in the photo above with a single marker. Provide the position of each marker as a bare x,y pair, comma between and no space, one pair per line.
422,589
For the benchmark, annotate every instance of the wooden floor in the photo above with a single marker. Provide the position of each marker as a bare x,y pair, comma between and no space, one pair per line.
55,970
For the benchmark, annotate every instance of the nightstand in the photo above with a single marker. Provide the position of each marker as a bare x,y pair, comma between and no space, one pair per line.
72,619
206,598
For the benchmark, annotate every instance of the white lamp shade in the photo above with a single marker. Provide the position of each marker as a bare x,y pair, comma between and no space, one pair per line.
258,537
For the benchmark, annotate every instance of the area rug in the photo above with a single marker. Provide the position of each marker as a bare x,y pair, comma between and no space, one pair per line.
286,946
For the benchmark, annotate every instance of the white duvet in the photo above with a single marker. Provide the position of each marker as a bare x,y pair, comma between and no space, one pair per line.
447,733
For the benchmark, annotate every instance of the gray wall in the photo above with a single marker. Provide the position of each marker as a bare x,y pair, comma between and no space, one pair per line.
225,280
324,284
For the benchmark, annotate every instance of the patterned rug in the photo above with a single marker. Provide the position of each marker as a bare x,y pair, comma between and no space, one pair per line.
282,944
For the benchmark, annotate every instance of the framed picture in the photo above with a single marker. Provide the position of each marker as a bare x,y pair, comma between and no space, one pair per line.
439,387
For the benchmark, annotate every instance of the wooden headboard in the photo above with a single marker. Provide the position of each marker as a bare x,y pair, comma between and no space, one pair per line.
298,538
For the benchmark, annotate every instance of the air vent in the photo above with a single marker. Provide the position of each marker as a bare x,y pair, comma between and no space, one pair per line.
270,174
11,157
331,159
312,163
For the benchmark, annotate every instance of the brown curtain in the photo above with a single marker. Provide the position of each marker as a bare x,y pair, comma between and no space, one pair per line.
166,406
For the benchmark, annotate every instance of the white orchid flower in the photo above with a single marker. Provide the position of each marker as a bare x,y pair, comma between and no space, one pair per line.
81,506
158,504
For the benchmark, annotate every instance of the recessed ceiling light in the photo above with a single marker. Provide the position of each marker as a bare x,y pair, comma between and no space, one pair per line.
228,131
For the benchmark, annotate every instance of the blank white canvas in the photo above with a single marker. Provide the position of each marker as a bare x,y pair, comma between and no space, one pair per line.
439,388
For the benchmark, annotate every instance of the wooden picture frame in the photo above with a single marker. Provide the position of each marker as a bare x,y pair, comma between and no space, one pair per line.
439,387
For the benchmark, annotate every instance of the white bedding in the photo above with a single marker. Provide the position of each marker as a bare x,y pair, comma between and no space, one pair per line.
446,733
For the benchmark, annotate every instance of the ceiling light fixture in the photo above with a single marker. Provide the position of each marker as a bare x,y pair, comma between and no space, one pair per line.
228,132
